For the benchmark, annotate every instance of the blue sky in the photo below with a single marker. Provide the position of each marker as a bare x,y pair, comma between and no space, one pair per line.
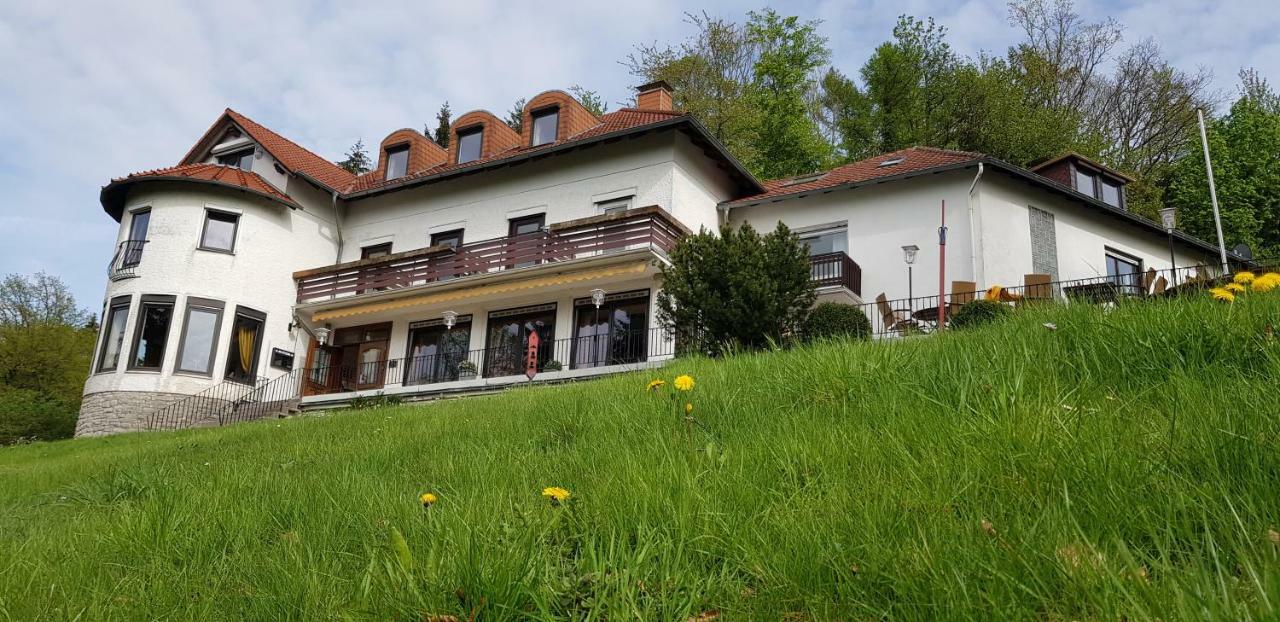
103,89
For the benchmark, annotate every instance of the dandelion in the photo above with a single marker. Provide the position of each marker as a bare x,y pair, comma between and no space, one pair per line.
684,383
556,494
1244,278
654,384
428,499
688,408
1235,288
1222,294
1266,282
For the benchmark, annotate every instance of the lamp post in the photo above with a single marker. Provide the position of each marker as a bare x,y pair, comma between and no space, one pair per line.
597,299
1169,218
909,255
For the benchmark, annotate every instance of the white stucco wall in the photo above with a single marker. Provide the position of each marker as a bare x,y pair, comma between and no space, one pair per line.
1083,234
564,187
698,186
881,220
271,242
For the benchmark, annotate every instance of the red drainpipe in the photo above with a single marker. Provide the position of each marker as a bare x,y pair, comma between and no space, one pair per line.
942,269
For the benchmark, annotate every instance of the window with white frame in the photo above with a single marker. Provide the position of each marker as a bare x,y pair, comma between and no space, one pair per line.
613,206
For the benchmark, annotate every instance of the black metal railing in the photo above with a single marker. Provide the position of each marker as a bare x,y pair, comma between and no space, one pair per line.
126,259
229,402
505,360
907,316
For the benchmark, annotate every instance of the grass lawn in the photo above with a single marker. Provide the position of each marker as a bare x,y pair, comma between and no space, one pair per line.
1125,465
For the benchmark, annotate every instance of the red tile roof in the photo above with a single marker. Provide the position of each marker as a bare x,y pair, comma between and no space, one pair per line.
208,173
911,160
293,156
617,121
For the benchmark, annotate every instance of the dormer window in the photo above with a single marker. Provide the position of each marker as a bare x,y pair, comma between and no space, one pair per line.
1110,192
1099,186
545,125
242,159
469,145
397,161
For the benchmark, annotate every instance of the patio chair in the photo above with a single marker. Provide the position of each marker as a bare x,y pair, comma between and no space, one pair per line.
1037,287
1148,278
1160,285
963,292
895,320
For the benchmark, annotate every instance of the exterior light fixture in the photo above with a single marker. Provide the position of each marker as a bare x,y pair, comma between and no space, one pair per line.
450,318
1169,218
597,297
322,335
909,253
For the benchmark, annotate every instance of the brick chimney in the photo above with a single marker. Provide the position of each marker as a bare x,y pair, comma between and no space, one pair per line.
654,96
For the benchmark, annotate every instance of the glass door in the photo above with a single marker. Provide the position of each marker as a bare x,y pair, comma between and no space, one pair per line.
435,352
614,334
508,338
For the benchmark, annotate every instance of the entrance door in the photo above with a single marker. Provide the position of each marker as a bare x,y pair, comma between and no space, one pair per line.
371,365
614,334
508,338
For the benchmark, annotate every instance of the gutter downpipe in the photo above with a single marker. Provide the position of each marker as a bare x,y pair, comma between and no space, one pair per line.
975,230
337,225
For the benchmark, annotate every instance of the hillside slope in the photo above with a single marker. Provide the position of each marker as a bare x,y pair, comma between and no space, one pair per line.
1122,464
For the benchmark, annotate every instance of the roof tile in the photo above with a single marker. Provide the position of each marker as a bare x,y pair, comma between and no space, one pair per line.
217,173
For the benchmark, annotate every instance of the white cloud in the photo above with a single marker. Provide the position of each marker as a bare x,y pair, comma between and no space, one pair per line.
99,90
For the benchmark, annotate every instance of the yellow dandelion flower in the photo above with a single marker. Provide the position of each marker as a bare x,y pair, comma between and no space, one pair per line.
684,383
1222,294
556,494
1244,278
428,499
1235,287
653,384
1266,282
688,408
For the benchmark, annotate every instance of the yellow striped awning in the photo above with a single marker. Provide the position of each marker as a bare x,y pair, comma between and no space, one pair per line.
483,290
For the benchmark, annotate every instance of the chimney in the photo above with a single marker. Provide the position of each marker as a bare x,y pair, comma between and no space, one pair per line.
654,96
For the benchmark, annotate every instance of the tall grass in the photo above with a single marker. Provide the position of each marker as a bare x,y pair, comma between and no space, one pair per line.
1121,464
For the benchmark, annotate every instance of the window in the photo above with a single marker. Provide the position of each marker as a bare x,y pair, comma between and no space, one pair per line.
614,334
829,241
545,124
1125,271
435,352
1084,182
199,338
113,334
132,251
469,145
150,336
1110,192
613,206
242,160
376,250
452,239
246,343
397,161
219,231
508,338
527,225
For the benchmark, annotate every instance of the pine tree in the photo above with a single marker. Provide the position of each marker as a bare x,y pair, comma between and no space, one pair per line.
515,116
357,161
442,126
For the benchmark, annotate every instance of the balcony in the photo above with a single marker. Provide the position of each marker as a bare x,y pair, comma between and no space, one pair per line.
125,262
836,270
637,229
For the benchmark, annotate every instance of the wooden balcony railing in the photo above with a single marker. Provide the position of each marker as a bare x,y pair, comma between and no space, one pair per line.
836,269
645,227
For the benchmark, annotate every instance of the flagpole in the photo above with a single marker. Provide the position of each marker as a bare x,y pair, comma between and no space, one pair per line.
1213,193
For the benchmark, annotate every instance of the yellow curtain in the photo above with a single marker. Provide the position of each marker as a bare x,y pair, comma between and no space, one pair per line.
245,339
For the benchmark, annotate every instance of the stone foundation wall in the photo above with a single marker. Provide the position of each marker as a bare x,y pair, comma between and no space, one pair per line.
112,412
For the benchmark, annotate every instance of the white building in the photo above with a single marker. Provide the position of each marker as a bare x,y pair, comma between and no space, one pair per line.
255,264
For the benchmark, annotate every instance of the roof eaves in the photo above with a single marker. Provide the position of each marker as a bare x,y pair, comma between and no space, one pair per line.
850,185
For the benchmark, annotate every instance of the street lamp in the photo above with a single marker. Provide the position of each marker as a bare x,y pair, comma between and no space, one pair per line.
450,318
1169,218
909,255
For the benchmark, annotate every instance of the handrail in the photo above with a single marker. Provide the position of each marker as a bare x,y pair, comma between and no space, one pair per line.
125,260
205,405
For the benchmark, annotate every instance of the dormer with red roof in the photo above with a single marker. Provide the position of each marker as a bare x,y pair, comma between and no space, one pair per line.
479,135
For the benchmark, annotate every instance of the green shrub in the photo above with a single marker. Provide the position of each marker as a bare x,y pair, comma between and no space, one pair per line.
979,312
833,320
